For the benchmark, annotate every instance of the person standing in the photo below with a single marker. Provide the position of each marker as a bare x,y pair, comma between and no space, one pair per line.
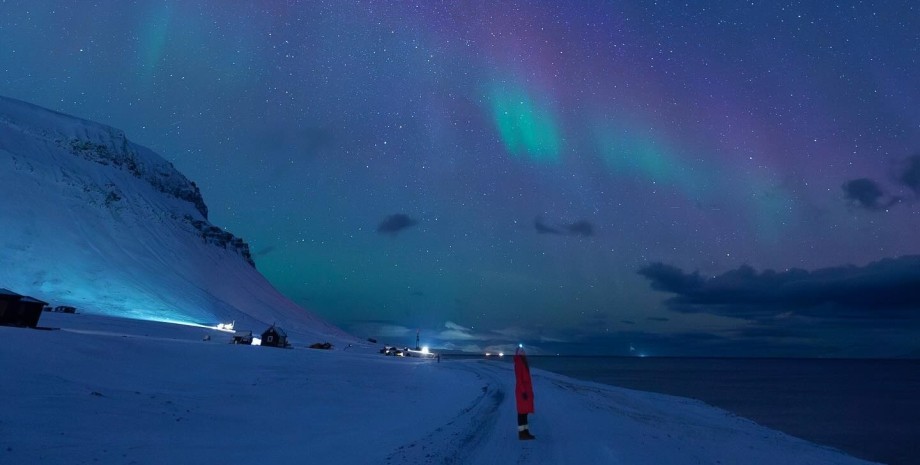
523,390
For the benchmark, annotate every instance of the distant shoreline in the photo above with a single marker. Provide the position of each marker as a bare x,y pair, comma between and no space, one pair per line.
673,357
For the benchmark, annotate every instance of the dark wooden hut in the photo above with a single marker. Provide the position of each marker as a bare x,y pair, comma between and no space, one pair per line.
19,310
242,337
274,337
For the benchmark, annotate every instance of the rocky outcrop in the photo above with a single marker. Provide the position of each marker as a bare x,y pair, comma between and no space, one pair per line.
213,235
119,153
33,133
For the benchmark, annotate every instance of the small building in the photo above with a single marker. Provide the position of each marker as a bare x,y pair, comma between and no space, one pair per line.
242,337
19,310
274,337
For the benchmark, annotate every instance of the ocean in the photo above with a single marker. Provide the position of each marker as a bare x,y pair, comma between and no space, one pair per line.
868,408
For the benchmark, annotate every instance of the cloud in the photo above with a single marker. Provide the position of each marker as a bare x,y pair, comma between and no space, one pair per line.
542,228
578,228
395,223
581,228
471,348
454,335
670,278
379,329
552,339
910,174
888,288
495,340
513,333
264,251
866,193
455,326
455,332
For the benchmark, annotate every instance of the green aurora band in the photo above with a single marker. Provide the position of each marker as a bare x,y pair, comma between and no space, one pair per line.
626,153
526,127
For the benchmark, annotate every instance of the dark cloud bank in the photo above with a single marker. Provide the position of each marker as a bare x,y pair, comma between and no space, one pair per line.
886,289
395,223
868,194
909,175
582,228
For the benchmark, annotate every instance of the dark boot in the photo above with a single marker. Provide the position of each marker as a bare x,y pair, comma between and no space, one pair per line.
525,435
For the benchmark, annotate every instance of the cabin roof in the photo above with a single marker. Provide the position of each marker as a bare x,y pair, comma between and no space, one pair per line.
277,330
7,292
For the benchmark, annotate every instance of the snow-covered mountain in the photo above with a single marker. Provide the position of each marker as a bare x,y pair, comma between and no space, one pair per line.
90,219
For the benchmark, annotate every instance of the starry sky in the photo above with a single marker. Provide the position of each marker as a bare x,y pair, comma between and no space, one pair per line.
606,177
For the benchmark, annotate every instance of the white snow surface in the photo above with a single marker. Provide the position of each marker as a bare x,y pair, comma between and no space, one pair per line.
107,390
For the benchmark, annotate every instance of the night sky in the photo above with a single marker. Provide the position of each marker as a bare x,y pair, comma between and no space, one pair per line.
739,178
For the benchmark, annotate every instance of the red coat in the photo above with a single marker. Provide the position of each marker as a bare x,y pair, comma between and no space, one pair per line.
523,388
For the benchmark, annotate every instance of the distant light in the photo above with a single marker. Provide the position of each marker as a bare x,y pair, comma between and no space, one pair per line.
226,327
501,354
521,346
177,322
425,350
256,341
488,354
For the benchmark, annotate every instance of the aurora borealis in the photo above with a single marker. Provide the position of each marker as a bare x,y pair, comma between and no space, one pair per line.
582,177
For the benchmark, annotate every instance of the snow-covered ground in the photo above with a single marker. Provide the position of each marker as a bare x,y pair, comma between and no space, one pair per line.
118,391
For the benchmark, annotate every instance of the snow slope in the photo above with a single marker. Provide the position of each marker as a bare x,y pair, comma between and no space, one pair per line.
117,391
89,219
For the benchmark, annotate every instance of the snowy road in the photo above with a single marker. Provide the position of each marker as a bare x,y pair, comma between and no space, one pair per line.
588,423
485,431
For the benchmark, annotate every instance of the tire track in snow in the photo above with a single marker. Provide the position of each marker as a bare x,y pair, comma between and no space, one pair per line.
458,441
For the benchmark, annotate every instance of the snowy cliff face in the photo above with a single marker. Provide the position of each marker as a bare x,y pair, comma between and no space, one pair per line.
90,219
114,149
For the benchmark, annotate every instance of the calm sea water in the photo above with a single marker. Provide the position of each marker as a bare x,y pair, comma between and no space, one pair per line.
867,408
